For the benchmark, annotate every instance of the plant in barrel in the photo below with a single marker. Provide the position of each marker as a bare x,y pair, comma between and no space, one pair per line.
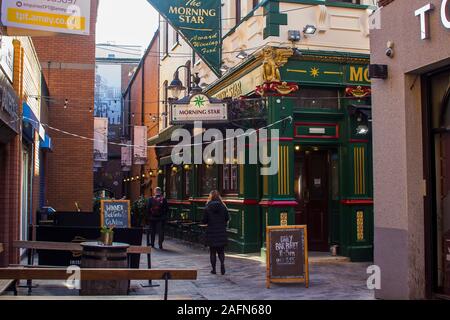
107,235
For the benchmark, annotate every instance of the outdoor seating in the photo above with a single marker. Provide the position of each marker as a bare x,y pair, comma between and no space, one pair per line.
6,283
21,273
74,248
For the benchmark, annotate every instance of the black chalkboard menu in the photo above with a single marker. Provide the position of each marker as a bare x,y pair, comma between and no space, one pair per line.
115,213
287,255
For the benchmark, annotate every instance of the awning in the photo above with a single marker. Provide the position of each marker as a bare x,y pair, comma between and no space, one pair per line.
47,143
163,136
30,117
30,123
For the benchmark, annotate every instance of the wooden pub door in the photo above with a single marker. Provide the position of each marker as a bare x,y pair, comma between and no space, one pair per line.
312,194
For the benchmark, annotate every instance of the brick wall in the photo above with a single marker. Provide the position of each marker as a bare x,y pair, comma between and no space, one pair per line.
68,63
147,73
9,199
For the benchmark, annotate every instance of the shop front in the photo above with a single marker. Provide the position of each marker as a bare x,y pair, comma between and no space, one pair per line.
411,125
320,105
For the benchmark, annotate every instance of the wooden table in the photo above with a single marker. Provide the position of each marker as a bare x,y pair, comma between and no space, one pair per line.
99,256
69,246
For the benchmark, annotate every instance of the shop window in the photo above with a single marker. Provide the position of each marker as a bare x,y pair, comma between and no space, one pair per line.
230,178
174,182
208,179
230,171
318,98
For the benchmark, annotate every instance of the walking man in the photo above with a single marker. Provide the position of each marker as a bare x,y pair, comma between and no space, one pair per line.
157,209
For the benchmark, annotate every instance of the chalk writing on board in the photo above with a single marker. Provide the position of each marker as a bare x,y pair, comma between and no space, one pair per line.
286,249
116,213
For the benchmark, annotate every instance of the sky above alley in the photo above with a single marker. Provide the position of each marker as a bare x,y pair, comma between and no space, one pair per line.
126,22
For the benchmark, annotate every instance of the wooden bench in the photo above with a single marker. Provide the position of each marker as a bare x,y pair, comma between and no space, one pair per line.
4,284
32,246
99,275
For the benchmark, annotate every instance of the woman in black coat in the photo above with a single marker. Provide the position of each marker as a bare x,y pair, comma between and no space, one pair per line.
216,217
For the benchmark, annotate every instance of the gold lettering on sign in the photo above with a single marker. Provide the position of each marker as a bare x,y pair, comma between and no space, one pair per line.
233,91
359,74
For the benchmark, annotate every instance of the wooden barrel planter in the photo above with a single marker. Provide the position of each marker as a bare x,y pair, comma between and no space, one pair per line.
98,256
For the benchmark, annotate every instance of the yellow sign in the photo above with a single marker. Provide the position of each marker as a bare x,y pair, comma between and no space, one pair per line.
241,87
38,15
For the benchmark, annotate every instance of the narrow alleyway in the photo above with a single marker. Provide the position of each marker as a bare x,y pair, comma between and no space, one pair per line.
245,278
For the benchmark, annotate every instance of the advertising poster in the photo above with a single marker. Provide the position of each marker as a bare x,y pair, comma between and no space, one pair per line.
140,145
69,16
100,139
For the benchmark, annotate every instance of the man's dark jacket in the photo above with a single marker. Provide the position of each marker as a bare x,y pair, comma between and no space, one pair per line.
164,209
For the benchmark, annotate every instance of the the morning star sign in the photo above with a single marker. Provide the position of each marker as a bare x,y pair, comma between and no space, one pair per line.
199,108
199,23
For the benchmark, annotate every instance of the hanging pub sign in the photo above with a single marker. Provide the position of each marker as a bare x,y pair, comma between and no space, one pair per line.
199,23
199,107
115,213
127,156
140,145
287,255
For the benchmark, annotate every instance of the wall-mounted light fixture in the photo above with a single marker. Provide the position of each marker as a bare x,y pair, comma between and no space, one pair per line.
242,55
294,35
224,68
309,29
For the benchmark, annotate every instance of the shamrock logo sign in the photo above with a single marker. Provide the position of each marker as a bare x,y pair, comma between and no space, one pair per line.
199,101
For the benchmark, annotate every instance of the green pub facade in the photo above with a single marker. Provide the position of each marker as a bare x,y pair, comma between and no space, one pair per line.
321,104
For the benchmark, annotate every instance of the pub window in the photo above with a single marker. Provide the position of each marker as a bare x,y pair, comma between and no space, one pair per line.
208,179
174,180
238,11
230,174
318,98
187,183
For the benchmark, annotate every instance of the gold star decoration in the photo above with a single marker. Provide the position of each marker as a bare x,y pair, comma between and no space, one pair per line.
315,72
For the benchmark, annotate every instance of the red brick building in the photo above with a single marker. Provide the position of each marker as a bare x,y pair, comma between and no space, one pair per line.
68,64
141,102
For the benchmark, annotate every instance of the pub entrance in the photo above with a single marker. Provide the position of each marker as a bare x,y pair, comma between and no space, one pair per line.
313,183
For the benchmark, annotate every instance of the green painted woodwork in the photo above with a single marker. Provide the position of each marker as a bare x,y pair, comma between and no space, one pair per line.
325,73
274,19
350,225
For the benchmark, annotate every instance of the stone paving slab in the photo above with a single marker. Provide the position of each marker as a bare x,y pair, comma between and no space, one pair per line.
244,280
